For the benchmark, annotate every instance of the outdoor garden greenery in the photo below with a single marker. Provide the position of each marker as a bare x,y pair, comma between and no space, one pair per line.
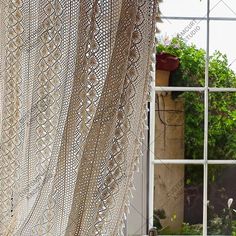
222,106
222,111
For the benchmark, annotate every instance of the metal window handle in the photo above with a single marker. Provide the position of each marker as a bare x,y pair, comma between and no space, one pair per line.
152,232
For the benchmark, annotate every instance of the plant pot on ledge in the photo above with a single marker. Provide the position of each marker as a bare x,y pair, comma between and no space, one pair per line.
166,63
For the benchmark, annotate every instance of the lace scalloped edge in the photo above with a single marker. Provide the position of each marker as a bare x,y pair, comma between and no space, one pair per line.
138,148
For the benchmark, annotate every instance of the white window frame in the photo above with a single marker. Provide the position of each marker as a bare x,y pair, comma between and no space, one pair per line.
205,161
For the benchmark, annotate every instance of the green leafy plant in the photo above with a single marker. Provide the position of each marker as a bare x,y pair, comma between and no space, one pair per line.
188,229
158,215
223,224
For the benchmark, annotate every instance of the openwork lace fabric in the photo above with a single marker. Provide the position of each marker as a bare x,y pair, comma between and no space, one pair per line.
74,81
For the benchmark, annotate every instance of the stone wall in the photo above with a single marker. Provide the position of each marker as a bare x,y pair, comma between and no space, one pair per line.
169,144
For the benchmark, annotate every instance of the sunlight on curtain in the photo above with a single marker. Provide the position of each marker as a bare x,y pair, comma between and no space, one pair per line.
74,82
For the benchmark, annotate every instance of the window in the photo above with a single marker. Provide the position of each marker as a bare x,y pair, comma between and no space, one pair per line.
192,137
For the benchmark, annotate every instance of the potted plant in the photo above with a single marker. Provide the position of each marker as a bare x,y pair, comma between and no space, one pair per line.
166,63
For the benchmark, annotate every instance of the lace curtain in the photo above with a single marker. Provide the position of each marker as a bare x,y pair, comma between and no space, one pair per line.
74,81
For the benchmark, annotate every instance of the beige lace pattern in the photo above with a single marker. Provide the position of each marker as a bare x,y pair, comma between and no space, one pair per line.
74,84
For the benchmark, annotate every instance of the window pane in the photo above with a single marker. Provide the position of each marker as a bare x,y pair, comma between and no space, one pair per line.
179,126
223,54
192,31
178,199
226,8
221,200
184,8
186,41
222,126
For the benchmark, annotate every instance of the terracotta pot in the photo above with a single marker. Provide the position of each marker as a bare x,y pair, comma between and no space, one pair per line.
166,62
162,77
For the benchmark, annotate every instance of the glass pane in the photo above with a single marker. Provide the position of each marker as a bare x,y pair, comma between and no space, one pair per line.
222,126
222,71
221,200
192,31
186,41
184,8
179,125
226,8
178,196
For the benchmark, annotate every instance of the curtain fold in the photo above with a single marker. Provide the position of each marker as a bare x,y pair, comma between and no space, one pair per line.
74,85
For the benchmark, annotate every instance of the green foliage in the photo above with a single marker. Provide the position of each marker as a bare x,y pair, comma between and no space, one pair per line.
188,229
222,106
223,223
234,228
158,215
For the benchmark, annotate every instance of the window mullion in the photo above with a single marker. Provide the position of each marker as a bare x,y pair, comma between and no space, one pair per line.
206,106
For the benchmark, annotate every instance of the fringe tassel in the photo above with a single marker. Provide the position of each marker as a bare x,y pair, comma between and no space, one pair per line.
144,127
